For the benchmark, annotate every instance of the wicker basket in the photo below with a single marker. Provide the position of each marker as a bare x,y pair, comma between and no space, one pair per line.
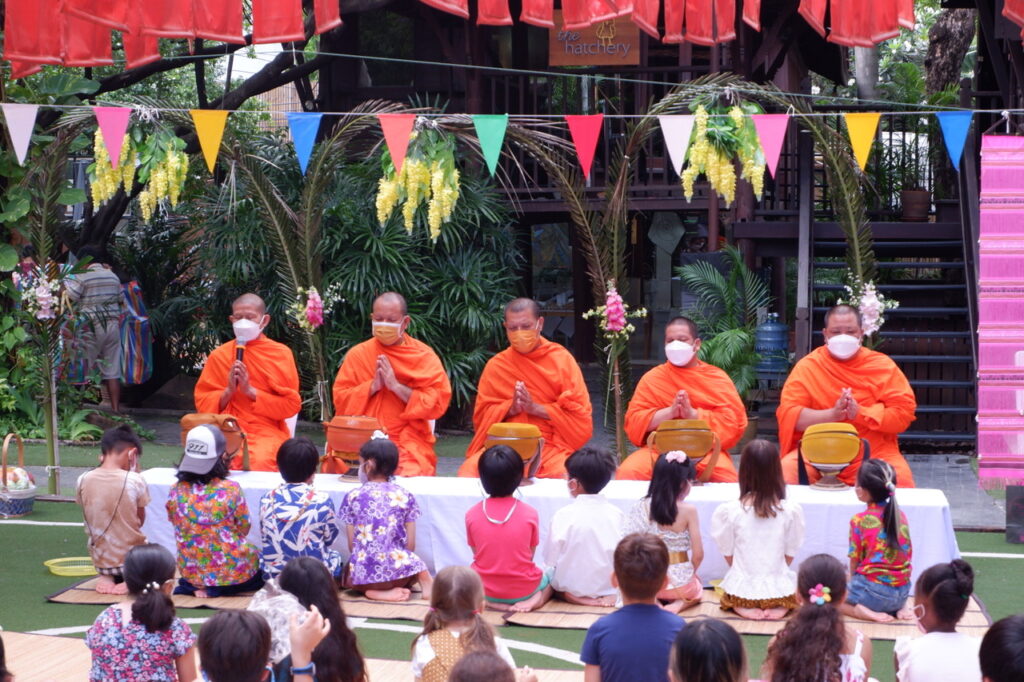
71,566
14,503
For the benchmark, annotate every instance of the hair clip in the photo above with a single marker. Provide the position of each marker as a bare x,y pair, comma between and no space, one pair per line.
154,586
676,456
432,609
820,594
476,612
379,435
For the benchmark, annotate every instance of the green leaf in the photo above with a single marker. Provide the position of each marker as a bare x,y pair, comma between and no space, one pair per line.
17,205
8,258
71,196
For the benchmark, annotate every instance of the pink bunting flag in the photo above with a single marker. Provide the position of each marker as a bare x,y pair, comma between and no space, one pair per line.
113,125
21,119
676,130
771,130
397,128
584,131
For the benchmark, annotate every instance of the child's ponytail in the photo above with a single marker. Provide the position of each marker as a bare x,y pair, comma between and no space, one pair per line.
878,478
147,568
457,596
948,588
671,472
808,648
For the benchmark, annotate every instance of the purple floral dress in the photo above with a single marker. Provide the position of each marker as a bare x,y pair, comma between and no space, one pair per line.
127,653
378,513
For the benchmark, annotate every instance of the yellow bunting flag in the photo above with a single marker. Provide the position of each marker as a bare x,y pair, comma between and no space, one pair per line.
210,129
861,128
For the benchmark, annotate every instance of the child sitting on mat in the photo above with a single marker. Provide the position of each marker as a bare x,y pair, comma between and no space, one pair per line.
142,639
113,497
503,533
454,626
880,550
380,518
211,521
296,519
708,650
816,645
583,535
1002,651
940,599
665,514
758,535
633,643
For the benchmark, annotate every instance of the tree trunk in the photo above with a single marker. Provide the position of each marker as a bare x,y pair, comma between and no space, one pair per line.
865,60
948,42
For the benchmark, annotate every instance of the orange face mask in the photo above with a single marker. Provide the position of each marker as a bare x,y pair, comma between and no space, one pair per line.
523,340
387,333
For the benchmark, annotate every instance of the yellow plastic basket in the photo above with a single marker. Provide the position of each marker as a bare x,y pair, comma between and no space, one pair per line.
71,566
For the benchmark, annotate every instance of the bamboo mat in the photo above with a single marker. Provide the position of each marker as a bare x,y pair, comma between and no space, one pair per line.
358,606
84,592
400,671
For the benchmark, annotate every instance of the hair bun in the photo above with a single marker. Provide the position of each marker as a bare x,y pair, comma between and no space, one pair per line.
963,574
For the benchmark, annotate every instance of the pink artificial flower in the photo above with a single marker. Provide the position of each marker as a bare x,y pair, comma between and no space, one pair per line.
615,311
314,309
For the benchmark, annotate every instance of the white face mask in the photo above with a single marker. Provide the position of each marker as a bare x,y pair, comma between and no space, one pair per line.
246,331
679,353
843,346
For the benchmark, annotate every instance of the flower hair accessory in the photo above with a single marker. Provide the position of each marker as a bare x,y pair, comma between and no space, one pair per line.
676,456
151,587
820,594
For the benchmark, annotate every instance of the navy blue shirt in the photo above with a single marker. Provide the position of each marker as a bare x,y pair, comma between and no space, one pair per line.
632,644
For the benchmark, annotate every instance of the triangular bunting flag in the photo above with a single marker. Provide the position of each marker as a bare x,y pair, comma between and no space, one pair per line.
771,130
304,127
955,125
584,131
677,130
113,125
397,128
21,119
490,130
861,128
210,130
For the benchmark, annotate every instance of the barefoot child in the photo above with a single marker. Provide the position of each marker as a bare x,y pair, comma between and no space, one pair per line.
942,654
113,497
380,518
816,645
880,550
664,513
758,535
503,533
583,535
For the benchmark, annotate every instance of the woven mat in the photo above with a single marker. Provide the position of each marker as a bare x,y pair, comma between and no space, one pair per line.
559,614
399,671
84,592
358,606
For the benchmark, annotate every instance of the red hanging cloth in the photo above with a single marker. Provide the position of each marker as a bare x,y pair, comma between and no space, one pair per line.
277,21
493,13
25,36
905,12
752,14
535,12
575,14
885,23
167,18
105,12
218,20
24,69
645,15
725,20
459,8
813,12
675,12
699,22
843,30
600,10
139,48
327,14
86,43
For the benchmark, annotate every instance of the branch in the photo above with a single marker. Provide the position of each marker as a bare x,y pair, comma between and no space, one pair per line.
128,78
274,74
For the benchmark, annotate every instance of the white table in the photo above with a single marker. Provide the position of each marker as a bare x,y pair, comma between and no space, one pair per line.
441,530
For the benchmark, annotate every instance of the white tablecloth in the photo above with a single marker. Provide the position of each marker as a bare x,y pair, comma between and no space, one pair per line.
441,530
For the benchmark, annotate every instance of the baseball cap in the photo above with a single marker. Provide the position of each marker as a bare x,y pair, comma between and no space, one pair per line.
204,445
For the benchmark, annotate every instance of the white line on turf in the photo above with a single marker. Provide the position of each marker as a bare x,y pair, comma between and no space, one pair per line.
992,555
23,522
78,629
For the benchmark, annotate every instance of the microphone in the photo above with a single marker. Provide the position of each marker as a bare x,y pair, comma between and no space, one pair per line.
239,350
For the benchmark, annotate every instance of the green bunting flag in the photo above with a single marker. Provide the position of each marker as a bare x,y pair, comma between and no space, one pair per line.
490,129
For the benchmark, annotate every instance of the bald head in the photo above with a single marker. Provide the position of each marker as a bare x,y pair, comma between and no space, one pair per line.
250,301
843,310
392,298
522,305
683,322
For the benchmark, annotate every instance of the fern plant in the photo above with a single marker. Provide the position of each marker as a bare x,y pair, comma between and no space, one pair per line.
726,311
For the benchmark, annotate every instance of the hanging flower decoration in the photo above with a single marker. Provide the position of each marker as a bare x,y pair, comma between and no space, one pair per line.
310,307
158,161
723,136
613,316
872,305
428,176
41,295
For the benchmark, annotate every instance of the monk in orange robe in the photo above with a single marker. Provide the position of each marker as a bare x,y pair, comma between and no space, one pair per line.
254,379
400,381
683,388
534,381
842,381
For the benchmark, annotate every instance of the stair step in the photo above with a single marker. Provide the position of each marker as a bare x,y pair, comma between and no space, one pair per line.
898,287
937,436
946,409
949,265
895,244
912,334
913,310
931,358
940,383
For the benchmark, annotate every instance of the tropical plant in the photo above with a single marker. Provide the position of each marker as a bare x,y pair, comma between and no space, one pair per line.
726,311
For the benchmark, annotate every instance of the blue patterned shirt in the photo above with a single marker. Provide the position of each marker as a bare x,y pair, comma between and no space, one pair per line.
297,520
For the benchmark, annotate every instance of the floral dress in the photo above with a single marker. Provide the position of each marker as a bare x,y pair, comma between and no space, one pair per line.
297,520
680,573
378,512
127,652
210,524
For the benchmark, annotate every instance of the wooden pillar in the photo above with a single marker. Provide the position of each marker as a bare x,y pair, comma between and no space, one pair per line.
582,301
805,164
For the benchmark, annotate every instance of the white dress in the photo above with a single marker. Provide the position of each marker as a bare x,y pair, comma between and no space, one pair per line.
639,521
852,667
758,547
938,657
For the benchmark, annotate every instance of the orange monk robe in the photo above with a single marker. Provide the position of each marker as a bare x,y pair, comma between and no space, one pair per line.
886,402
272,374
711,393
553,380
408,424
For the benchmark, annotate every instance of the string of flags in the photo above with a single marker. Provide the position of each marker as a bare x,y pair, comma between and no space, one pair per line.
585,131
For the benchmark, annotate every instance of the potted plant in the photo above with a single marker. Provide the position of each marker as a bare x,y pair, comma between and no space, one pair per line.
726,311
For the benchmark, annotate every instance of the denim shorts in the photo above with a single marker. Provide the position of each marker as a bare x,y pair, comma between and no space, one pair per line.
875,596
